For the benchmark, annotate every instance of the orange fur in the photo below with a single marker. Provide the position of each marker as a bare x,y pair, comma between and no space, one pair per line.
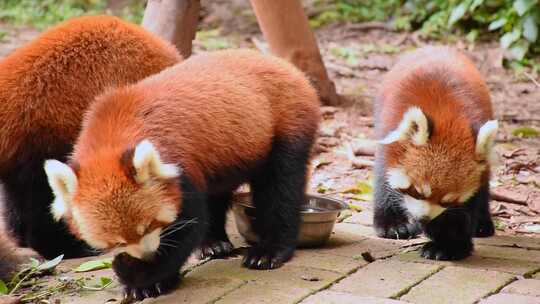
47,85
450,91
215,115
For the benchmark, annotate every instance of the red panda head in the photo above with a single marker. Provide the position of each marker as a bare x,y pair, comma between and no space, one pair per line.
437,164
117,200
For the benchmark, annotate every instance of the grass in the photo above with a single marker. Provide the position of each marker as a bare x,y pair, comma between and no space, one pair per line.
45,13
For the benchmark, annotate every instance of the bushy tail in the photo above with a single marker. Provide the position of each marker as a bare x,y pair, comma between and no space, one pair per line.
9,260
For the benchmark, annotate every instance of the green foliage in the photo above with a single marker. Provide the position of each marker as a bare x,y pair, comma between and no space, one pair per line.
525,132
44,13
515,23
94,265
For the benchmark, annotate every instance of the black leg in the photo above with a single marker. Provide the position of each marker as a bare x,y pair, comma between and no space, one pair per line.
451,235
278,191
145,279
484,223
390,218
28,198
216,243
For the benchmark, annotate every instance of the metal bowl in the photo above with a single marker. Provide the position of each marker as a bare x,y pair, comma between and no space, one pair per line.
318,217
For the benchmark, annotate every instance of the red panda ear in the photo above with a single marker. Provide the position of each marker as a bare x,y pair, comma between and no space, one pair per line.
63,182
485,138
414,126
147,163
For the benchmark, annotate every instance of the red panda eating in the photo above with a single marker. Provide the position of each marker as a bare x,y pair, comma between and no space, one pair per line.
435,122
46,86
156,164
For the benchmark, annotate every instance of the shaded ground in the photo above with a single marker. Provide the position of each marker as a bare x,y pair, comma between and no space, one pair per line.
357,56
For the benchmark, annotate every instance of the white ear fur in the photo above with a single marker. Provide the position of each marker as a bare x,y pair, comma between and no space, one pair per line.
413,116
147,163
63,182
485,138
398,179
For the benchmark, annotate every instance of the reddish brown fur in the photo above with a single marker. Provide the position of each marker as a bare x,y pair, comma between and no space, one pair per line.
206,138
46,85
453,95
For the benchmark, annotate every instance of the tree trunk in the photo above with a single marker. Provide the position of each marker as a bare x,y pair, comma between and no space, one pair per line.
173,20
285,26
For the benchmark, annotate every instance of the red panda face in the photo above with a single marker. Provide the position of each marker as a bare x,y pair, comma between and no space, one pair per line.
114,204
439,170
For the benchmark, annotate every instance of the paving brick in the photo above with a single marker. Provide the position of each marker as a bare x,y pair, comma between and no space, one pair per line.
527,287
505,298
510,241
385,278
315,259
457,285
196,288
287,284
508,253
332,297
363,218
477,262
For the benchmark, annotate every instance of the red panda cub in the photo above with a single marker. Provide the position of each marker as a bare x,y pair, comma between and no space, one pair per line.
156,163
45,88
435,122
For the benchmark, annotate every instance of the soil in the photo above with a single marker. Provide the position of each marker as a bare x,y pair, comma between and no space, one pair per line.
357,56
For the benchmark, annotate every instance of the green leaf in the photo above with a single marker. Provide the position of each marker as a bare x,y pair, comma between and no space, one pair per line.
530,28
509,38
105,281
523,6
519,49
3,288
457,13
475,4
497,24
94,265
526,132
51,264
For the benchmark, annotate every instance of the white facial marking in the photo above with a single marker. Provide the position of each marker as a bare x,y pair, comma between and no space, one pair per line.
84,230
450,197
466,196
166,214
413,116
63,183
147,163
147,246
421,209
426,190
140,229
397,179
486,137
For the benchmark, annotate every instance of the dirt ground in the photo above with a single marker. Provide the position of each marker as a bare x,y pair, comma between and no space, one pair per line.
357,56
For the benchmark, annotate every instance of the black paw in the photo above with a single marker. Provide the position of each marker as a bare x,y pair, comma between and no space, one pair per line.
258,257
447,252
144,279
403,231
215,249
485,228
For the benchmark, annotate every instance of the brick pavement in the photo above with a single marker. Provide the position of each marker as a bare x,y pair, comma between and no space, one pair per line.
503,269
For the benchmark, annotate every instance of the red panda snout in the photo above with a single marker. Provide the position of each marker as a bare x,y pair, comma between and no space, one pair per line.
115,204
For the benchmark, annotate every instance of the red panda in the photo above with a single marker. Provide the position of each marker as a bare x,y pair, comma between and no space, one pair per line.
9,260
156,163
435,122
46,87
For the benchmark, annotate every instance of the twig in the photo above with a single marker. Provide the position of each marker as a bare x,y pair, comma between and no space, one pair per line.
357,163
532,79
374,25
506,199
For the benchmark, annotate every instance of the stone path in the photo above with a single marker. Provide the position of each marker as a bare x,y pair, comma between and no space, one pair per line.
356,267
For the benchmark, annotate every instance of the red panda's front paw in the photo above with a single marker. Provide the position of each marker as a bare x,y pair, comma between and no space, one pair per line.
215,249
447,252
402,231
262,258
142,279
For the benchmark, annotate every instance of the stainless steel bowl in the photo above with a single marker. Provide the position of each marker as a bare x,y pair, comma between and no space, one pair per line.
318,216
